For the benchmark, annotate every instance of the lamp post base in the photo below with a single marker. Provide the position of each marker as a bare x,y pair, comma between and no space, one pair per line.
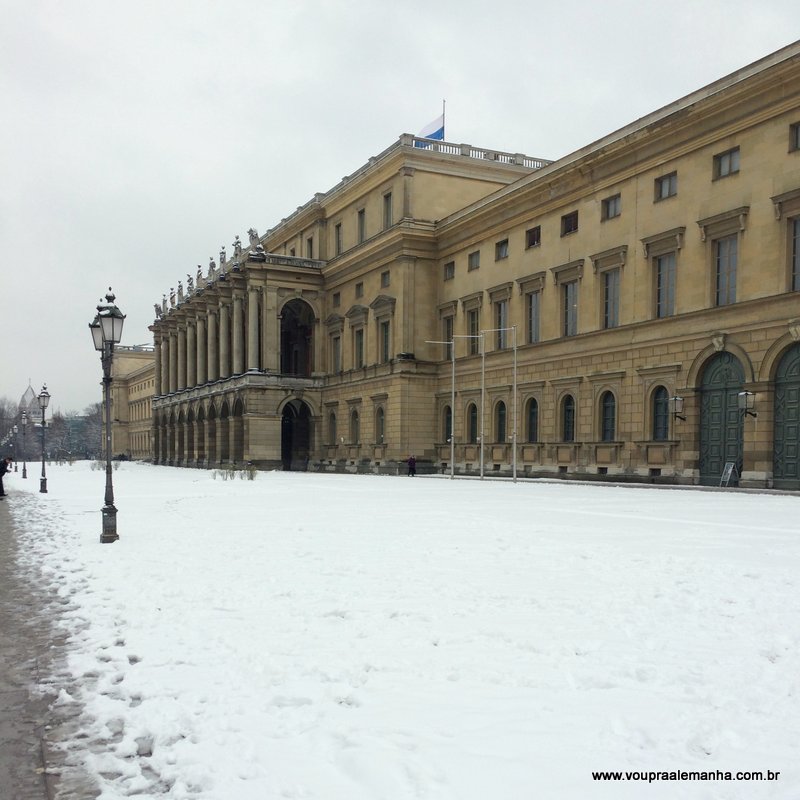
24,472
43,485
109,533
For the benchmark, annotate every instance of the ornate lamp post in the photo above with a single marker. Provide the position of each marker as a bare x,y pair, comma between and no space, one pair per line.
44,399
106,332
24,449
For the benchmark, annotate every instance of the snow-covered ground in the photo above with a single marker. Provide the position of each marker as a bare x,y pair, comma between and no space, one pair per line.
365,638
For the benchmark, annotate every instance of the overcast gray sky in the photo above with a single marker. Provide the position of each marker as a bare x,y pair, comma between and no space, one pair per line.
139,137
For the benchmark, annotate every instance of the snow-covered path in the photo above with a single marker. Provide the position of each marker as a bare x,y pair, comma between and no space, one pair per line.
363,638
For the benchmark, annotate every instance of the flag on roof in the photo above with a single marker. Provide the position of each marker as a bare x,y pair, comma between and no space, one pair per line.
433,130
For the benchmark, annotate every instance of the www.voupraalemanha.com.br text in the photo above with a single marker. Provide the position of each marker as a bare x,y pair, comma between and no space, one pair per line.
654,776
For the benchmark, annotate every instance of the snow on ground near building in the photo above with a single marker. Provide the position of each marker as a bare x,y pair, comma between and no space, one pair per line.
354,637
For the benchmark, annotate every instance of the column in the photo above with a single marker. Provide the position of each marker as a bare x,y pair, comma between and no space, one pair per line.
191,355
157,350
164,362
238,335
202,374
181,358
212,342
252,330
173,361
224,342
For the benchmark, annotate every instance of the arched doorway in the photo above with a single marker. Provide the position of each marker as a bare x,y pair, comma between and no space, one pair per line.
295,436
720,419
786,464
238,432
211,437
297,328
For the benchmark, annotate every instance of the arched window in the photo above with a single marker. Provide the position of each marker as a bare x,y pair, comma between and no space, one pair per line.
568,419
608,417
447,420
380,425
472,423
500,421
355,428
332,428
532,417
660,414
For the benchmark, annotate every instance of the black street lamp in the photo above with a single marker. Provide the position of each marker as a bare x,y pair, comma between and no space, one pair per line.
106,332
24,451
44,399
16,445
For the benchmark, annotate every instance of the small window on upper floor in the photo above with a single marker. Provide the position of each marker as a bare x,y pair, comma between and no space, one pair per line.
337,238
388,214
310,247
794,137
666,186
569,223
385,278
449,270
362,225
612,207
360,289
291,252
337,299
474,260
533,237
726,163
501,250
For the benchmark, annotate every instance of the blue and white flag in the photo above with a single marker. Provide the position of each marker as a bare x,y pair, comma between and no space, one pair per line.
433,130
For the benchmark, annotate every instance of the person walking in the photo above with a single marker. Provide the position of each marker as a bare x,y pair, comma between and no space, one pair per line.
412,466
5,466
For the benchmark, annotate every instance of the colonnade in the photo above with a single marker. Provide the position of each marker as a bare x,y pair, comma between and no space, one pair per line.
210,340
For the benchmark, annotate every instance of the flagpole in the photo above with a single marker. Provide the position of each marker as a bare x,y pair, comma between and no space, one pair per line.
444,128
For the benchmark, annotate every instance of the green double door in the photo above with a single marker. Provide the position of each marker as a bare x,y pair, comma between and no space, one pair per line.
721,422
786,465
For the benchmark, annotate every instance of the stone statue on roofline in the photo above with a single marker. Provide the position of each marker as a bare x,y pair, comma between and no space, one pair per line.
199,274
253,234
172,297
222,256
189,283
157,309
212,267
237,246
180,292
164,304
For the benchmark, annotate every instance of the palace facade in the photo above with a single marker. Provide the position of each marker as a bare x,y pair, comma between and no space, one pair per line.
628,312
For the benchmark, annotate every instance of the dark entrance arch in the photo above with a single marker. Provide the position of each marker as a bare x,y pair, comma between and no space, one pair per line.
295,436
786,466
721,423
297,329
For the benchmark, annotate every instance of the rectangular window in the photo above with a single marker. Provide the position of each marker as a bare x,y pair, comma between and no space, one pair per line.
358,348
337,299
385,278
501,250
665,285
569,223
310,247
612,207
501,323
387,211
447,336
337,238
362,225
795,254
666,186
725,254
794,137
449,270
570,308
360,289
473,323
336,354
611,298
474,260
291,252
533,237
533,303
726,163
384,340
